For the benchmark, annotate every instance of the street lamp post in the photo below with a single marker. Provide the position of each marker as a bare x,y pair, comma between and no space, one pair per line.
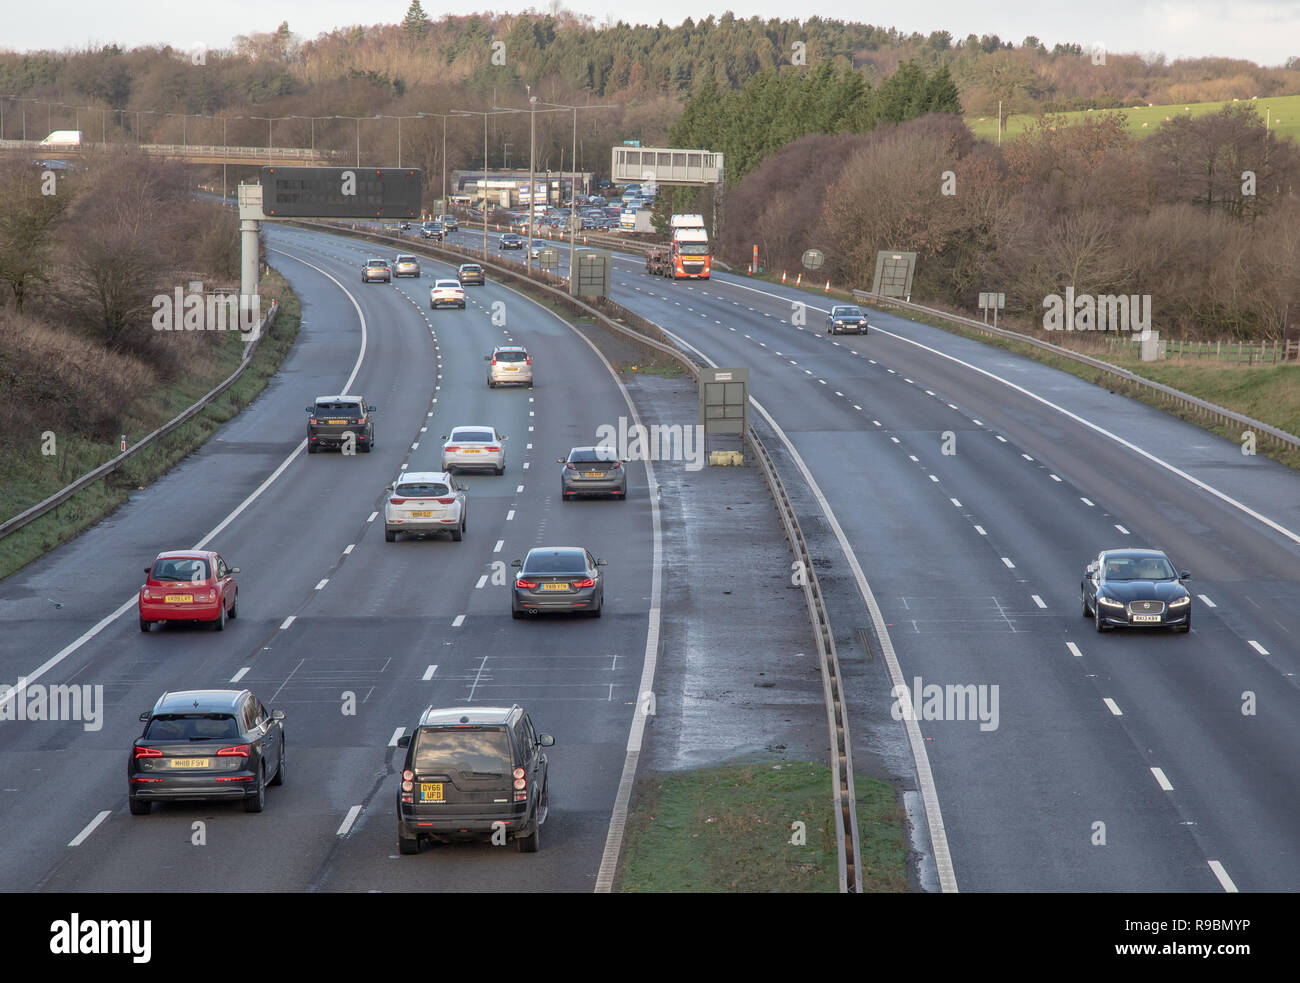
270,121
443,117
358,120
485,114
573,187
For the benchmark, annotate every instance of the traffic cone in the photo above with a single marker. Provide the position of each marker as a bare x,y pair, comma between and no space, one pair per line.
798,280
783,276
828,287
749,269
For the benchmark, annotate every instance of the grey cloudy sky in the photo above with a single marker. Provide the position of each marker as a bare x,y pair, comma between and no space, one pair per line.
1263,31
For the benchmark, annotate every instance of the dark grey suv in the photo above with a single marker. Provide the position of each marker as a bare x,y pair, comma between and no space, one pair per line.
473,773
206,744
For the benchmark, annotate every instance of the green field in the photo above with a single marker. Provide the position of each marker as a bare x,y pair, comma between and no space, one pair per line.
1284,110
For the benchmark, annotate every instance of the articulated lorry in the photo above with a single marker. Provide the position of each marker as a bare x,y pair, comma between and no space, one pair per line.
689,248
686,257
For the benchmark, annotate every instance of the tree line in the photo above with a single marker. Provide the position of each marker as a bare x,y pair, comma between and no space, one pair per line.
1202,216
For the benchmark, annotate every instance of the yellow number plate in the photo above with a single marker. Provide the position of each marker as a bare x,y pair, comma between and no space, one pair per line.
561,586
425,514
179,599
471,450
189,762
431,791
594,474
336,421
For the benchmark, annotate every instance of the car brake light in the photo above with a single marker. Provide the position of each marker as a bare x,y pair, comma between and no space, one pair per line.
397,501
614,466
445,501
493,449
408,775
529,359
494,361
451,447
526,584
585,582
311,420
148,752
571,466
236,751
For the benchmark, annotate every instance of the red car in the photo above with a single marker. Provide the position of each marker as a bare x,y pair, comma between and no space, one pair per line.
189,585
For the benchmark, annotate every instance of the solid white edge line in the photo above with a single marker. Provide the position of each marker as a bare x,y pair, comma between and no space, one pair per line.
107,620
349,820
1222,875
924,776
93,825
636,733
1203,486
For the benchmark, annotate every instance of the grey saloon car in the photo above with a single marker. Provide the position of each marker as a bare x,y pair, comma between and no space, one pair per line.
558,578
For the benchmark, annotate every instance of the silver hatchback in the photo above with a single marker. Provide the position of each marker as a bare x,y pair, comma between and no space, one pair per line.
510,365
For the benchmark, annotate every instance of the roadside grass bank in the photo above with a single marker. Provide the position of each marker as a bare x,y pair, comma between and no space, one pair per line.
730,829
30,476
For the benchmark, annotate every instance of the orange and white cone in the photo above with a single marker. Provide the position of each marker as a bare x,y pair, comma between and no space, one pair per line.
828,287
783,276
798,280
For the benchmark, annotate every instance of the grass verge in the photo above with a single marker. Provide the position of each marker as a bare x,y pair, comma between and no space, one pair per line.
729,830
32,479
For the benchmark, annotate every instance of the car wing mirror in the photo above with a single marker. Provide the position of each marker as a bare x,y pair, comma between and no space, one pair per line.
1185,575
308,409
560,460
601,563
487,358
502,437
234,569
404,741
277,714
516,563
148,570
545,740
146,715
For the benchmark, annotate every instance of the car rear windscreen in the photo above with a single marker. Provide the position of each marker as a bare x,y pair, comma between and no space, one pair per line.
474,436
511,356
349,410
593,454
421,490
468,752
192,727
565,562
181,569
